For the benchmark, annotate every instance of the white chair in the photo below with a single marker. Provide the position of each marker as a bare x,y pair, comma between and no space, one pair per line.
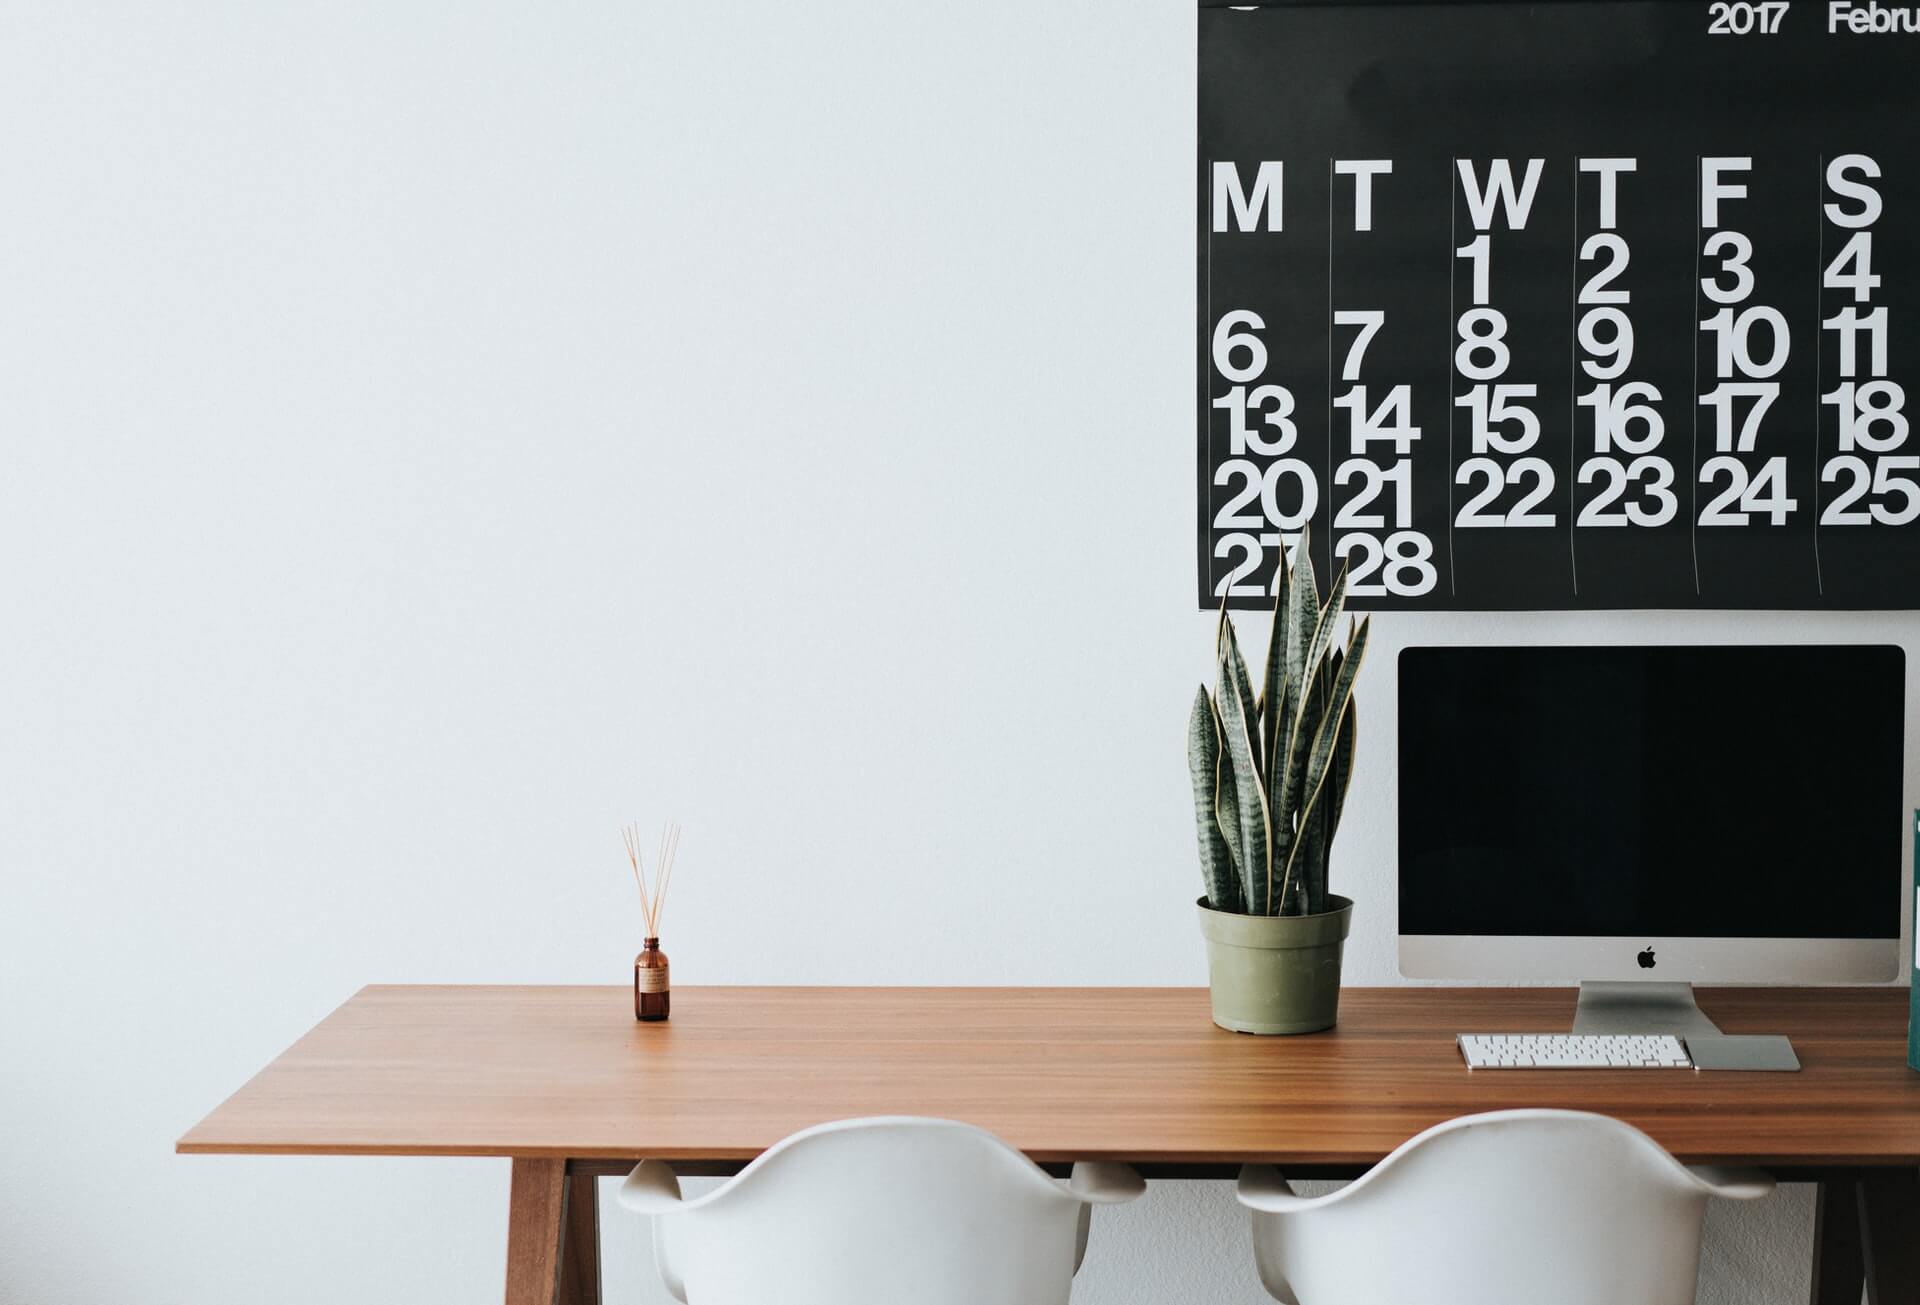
888,1211
1518,1207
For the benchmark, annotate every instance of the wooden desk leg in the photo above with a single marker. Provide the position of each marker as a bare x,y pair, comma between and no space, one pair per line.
580,1254
553,1236
1838,1269
1890,1235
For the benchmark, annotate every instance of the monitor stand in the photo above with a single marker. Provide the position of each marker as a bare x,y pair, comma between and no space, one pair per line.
1641,1008
1669,1008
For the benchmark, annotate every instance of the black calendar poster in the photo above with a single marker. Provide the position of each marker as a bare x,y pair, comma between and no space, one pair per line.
1588,304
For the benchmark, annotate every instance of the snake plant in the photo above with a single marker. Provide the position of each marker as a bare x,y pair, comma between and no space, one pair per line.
1271,763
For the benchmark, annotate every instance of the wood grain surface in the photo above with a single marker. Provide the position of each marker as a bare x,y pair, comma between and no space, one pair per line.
1135,1074
536,1230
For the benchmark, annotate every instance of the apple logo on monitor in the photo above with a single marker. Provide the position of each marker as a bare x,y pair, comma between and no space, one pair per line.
1646,959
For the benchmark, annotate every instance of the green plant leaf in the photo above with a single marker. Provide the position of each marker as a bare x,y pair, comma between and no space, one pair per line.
1256,848
1273,688
1217,874
1311,873
1320,757
1226,791
1310,876
1308,696
1303,609
1344,749
1226,807
1286,789
1307,885
1234,672
1294,608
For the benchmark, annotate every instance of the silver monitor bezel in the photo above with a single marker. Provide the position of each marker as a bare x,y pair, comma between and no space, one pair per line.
1534,959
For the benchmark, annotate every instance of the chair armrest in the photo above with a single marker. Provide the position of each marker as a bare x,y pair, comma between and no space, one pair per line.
651,1188
1733,1184
1104,1183
1098,1182
1261,1187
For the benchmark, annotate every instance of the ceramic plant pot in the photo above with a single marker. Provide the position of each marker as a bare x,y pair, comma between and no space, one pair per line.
1275,973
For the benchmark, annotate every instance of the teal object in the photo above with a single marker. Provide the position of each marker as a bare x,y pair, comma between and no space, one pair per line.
1913,1007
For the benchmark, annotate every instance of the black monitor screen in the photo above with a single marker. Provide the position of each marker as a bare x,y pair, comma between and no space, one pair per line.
1749,792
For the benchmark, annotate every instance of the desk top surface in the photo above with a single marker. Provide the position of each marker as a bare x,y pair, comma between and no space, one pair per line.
1136,1074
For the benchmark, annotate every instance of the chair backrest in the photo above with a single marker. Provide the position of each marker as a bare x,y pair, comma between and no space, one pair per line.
878,1212
1513,1208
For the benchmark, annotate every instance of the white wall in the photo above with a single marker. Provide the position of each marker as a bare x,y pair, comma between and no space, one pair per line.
435,433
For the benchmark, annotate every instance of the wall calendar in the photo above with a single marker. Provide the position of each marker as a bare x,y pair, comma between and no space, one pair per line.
1579,304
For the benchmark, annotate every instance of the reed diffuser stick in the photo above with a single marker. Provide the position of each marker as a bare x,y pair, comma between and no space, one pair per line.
653,895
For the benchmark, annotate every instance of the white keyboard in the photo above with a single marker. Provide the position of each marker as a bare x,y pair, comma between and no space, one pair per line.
1573,1051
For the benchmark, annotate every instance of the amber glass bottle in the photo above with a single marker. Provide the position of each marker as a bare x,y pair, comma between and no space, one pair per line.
651,995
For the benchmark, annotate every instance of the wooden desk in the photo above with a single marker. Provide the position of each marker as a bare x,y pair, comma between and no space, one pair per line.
566,1084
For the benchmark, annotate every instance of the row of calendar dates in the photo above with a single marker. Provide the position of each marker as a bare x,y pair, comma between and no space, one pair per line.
1266,488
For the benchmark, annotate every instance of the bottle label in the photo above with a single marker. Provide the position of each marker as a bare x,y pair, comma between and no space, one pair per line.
650,978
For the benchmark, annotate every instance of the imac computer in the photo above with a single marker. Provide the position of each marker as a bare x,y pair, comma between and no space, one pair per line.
1640,819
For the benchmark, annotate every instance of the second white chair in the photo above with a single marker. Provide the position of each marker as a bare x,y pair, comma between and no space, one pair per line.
878,1212
1511,1208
